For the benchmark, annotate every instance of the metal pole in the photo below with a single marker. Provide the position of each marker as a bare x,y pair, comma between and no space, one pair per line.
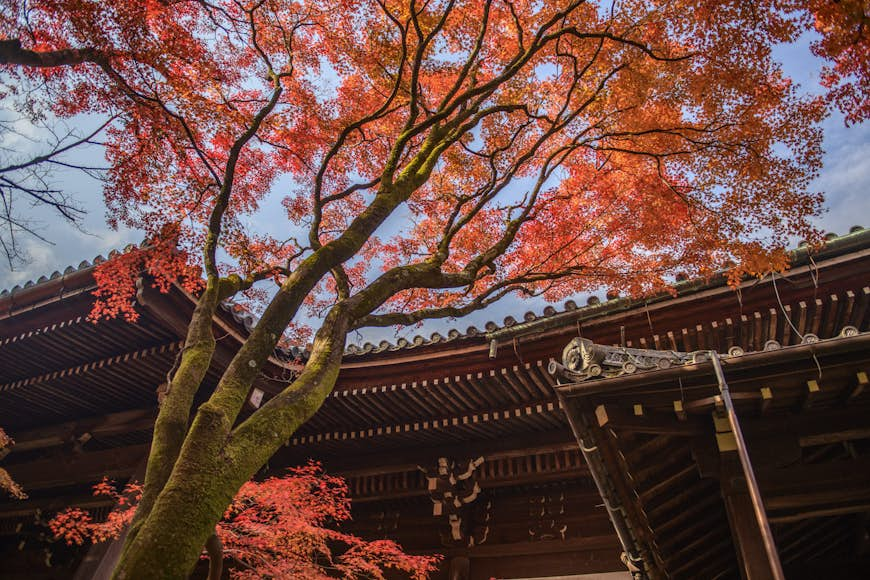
752,484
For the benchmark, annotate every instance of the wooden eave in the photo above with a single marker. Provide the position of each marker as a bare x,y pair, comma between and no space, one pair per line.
74,370
57,365
852,249
659,322
426,399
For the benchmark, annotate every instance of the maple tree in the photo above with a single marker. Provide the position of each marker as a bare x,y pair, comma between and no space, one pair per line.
277,528
430,159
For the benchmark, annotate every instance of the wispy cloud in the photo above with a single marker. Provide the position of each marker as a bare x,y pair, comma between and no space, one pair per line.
845,178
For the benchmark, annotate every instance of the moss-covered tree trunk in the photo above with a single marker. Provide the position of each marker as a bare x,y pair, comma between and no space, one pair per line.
171,539
217,459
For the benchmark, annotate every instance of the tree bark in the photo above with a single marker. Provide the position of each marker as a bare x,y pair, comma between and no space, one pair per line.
171,426
216,460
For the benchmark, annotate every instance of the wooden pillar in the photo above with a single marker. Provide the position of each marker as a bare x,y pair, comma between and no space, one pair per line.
99,563
460,568
748,541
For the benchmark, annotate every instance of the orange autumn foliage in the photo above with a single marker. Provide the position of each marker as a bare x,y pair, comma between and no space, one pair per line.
76,526
282,528
660,147
844,27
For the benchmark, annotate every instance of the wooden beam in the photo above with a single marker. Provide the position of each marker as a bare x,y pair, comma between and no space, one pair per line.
29,507
398,460
860,386
835,436
516,414
796,516
618,419
80,468
558,564
766,399
576,544
679,411
715,401
390,492
812,394
699,504
668,482
815,427
817,484
582,512
61,433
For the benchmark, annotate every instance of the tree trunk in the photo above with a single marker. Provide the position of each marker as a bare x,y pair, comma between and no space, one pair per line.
217,459
171,539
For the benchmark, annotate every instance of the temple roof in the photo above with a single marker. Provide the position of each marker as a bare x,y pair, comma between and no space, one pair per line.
79,398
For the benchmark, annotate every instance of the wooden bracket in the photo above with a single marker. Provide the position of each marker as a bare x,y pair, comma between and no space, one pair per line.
812,394
725,439
766,399
862,383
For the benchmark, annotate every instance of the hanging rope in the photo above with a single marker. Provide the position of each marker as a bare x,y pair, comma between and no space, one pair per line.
788,318
517,351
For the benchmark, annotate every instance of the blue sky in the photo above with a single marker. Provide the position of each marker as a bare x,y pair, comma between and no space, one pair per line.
845,179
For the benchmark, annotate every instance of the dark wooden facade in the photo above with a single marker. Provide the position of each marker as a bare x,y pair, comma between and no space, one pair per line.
671,461
79,399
